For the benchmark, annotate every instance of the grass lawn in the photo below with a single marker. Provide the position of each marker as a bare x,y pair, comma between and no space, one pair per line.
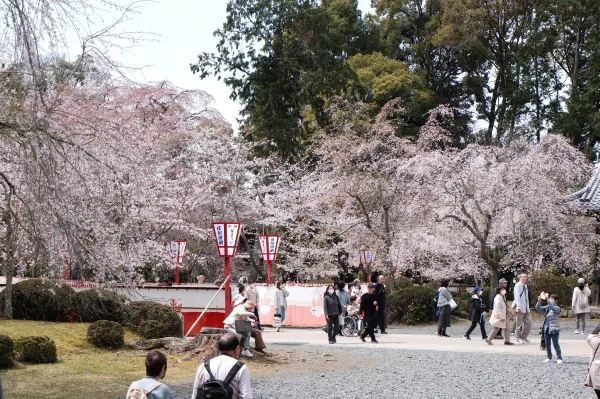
83,371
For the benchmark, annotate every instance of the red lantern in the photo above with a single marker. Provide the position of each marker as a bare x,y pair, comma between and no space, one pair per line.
227,236
269,248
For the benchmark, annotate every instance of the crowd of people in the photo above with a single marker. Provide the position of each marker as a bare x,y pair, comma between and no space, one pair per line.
225,376
516,316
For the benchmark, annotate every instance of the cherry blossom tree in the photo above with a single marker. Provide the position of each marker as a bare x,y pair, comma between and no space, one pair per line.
430,208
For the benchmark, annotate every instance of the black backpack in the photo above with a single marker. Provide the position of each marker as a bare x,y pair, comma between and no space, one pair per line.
216,389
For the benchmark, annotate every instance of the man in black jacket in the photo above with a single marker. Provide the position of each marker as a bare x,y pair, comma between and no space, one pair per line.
368,311
380,293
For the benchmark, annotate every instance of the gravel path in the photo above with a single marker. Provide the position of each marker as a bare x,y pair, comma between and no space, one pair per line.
424,374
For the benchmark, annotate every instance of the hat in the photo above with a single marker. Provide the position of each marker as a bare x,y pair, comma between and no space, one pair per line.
476,290
581,281
371,285
502,281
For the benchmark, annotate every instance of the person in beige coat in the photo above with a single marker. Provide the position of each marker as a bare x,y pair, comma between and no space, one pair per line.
499,318
593,376
581,304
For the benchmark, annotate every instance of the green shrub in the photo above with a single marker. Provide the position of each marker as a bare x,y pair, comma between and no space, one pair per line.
106,334
403,282
97,304
412,305
139,312
35,350
6,352
151,329
551,281
462,300
44,300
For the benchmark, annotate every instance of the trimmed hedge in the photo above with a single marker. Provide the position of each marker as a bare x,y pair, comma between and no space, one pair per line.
106,334
151,329
552,281
412,305
6,352
35,350
139,312
37,299
98,304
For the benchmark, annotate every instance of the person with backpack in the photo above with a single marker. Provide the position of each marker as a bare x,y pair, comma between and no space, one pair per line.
581,304
224,376
445,309
149,387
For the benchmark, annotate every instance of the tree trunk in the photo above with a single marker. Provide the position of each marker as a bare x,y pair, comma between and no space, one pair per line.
493,278
7,219
387,238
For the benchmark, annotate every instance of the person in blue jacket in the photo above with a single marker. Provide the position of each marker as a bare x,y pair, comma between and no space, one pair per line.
551,327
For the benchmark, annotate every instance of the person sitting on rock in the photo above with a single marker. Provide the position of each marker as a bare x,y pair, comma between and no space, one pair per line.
245,312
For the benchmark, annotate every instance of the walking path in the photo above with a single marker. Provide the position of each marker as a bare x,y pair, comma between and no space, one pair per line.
570,347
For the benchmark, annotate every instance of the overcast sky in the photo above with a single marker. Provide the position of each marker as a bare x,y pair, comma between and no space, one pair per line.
184,28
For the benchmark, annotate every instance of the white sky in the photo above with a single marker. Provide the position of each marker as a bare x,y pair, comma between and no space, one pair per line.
184,29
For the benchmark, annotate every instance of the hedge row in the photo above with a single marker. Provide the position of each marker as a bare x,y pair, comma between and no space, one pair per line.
49,301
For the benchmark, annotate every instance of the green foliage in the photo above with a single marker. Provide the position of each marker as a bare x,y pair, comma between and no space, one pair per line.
403,282
278,56
41,300
6,352
462,300
97,304
412,305
152,329
385,79
140,312
35,350
106,334
551,281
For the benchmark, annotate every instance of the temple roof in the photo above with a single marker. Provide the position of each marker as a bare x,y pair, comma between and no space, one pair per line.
588,197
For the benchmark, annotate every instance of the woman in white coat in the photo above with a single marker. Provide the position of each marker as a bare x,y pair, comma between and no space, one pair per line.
499,318
581,304
593,377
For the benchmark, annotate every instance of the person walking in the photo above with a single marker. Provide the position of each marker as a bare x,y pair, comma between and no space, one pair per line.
499,318
503,283
332,310
380,293
593,375
443,304
581,304
368,312
281,294
551,326
476,309
521,305
344,298
150,386
225,367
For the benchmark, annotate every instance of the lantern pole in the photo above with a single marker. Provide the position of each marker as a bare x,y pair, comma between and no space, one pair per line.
177,263
227,274
268,270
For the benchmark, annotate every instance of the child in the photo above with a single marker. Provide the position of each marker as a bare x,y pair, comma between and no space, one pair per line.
551,327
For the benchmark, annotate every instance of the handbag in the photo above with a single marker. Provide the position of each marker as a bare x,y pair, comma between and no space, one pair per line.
242,326
589,382
453,304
